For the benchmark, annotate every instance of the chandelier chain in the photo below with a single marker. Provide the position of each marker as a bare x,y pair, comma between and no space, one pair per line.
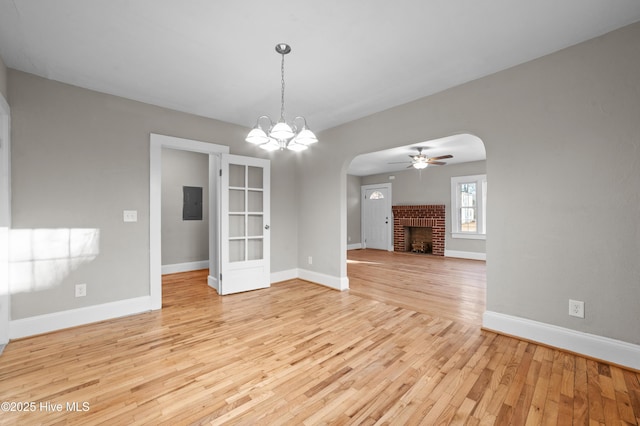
282,93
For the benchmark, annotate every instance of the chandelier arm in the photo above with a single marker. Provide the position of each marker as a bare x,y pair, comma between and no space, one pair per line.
304,120
269,120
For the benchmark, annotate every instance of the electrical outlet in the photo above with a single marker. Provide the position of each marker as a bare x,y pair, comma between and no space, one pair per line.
576,308
81,290
310,260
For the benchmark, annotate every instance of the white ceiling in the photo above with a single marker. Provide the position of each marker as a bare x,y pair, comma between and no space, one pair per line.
349,59
463,147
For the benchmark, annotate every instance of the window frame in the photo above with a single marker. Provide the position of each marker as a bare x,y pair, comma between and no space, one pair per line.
481,208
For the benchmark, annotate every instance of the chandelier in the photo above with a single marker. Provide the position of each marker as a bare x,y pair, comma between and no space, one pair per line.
281,135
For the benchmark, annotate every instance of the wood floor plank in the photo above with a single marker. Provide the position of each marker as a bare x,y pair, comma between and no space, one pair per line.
403,346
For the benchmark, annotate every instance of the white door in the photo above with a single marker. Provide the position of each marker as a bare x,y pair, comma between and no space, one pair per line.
244,226
376,216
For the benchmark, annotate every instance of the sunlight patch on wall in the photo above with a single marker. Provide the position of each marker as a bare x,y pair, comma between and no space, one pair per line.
42,258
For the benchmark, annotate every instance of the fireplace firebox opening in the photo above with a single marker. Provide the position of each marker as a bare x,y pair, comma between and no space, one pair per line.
418,239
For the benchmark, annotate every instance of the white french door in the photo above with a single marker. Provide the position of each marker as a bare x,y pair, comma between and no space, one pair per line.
244,224
377,222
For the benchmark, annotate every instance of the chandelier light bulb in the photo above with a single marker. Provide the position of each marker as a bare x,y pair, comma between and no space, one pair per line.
306,137
281,131
257,136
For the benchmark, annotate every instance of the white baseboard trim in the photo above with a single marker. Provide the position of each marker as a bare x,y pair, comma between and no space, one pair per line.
465,254
279,276
185,267
336,283
59,320
40,324
213,283
356,246
603,348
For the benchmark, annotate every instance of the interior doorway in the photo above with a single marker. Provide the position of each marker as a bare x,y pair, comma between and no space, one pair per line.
157,143
185,211
239,206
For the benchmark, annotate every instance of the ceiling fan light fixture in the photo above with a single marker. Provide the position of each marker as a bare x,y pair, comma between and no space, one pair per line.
282,135
420,165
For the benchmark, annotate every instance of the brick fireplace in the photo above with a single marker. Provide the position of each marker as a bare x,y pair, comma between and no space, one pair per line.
408,220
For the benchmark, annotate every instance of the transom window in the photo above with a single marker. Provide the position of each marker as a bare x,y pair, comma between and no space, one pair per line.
376,195
468,206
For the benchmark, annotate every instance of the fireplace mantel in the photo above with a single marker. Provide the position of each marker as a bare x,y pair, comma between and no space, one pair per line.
428,216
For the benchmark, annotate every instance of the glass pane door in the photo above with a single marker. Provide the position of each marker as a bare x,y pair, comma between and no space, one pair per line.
244,245
246,216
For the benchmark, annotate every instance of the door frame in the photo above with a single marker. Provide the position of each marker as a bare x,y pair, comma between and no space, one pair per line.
156,143
363,190
5,219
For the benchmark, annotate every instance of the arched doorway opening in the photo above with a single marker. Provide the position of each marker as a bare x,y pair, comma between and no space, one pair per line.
410,187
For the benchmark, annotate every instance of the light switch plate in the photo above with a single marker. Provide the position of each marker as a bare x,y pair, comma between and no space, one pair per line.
130,215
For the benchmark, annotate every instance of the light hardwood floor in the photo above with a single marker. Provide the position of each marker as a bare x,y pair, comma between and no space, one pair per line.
435,285
299,353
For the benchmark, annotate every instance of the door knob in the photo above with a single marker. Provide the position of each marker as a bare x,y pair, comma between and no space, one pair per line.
266,227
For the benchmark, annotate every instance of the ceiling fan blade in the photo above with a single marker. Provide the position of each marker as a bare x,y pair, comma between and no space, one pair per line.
437,163
442,157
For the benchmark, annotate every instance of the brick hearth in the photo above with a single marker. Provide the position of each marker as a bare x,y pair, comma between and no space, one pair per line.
431,216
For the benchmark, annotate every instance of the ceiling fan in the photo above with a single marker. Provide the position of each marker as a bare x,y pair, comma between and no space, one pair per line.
421,161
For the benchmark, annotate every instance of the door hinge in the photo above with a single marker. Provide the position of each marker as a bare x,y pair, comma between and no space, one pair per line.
220,172
220,276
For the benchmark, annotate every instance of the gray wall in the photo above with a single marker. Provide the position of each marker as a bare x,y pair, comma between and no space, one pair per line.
3,79
432,186
79,158
354,212
563,161
184,240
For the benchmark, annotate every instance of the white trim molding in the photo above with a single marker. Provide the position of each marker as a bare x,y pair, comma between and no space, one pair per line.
279,276
5,217
465,254
469,236
356,246
40,324
336,283
89,314
185,267
590,345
